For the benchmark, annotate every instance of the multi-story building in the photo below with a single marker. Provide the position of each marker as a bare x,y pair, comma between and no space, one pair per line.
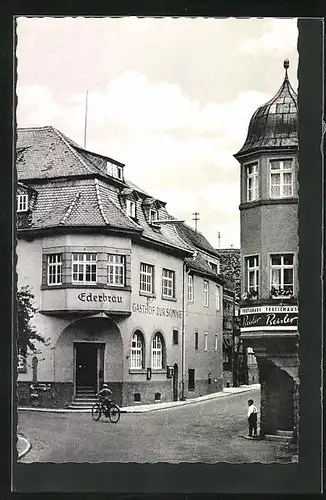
269,255
121,297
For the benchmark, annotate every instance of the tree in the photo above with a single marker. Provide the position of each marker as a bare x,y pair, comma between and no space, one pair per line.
230,267
27,334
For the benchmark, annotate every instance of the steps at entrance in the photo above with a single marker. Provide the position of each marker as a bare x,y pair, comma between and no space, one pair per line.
280,436
84,399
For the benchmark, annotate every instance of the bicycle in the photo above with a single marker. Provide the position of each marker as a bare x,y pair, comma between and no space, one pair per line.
110,410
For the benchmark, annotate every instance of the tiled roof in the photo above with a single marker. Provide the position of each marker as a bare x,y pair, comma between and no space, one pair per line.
195,238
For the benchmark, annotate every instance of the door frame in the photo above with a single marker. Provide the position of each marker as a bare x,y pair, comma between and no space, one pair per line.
100,347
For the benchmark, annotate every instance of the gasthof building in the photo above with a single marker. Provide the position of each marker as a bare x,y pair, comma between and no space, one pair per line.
269,256
122,295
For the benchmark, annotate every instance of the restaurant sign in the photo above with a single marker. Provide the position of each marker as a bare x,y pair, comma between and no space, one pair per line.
269,318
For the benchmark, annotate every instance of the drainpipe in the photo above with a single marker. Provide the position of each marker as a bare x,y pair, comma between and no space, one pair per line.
183,334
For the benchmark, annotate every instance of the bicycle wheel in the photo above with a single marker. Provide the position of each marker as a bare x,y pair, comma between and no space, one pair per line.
114,413
96,411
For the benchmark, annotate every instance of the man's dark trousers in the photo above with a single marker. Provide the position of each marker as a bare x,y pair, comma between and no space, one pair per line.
252,420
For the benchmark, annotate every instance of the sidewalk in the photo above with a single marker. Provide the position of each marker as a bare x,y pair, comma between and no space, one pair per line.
228,391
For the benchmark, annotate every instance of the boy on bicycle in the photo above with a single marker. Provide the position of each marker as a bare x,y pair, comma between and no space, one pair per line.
105,396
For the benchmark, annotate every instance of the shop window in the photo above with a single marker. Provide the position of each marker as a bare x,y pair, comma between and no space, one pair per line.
22,202
146,278
137,350
196,341
191,379
281,178
116,269
137,397
251,172
190,288
54,269
157,354
282,275
175,337
131,208
252,275
168,283
206,293
84,268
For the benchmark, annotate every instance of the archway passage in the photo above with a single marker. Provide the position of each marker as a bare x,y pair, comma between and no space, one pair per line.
175,382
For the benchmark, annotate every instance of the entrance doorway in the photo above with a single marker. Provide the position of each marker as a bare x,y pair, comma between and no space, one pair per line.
175,382
89,372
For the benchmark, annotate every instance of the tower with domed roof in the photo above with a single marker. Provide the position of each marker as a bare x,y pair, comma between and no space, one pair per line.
269,255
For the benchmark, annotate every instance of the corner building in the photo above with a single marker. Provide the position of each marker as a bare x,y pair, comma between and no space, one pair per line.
269,256
109,272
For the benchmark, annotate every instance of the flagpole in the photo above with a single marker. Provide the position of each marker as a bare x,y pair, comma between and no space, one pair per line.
85,129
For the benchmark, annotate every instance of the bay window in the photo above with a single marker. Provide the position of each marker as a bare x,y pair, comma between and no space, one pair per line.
54,269
252,275
281,178
251,173
84,268
116,270
282,274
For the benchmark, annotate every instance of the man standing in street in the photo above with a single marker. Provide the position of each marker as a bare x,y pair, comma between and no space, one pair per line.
252,418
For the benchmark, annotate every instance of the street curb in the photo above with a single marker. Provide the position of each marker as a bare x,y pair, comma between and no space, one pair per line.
154,407
27,446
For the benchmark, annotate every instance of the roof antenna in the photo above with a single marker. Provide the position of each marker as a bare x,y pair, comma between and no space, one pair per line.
85,128
286,64
219,239
196,219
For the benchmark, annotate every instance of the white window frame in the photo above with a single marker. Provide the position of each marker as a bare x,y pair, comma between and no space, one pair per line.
218,297
54,264
190,288
82,263
205,341
281,171
131,208
114,170
116,270
153,215
157,348
137,351
215,341
282,267
251,174
252,269
22,203
206,293
168,283
146,278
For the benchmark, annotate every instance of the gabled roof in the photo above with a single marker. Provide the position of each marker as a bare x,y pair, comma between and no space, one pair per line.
196,239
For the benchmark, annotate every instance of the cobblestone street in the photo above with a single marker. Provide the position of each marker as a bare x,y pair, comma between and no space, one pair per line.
208,431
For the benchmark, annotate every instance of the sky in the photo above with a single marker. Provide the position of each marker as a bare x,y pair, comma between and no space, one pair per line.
171,98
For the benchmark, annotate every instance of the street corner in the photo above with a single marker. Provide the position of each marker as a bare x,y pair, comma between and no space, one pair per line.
23,446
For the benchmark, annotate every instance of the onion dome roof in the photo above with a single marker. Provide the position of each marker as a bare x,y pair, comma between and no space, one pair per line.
274,125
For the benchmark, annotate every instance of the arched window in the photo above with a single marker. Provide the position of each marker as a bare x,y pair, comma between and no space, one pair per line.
157,352
137,350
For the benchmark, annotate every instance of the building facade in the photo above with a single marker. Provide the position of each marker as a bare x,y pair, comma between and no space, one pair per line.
269,256
109,272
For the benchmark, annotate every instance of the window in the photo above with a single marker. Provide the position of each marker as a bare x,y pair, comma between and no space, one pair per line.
137,397
175,337
252,182
168,283
55,269
114,170
281,172
22,203
215,342
153,216
218,297
190,288
84,268
282,273
157,396
146,278
205,341
215,267
157,352
196,341
137,351
191,379
131,208
252,278
116,270
206,286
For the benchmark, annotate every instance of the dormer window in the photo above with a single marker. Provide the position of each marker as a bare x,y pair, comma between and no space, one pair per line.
153,216
131,208
22,203
114,170
281,178
252,182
